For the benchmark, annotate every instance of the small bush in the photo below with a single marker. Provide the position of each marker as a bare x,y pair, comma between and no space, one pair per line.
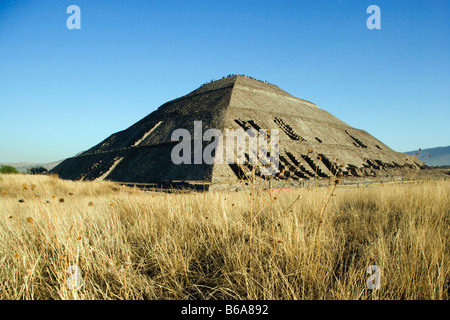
37,170
8,169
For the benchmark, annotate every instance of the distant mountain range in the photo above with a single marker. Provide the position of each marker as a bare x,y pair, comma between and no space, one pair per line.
439,156
24,166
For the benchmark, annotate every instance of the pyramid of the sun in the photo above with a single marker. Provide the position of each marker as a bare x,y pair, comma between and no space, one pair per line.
141,154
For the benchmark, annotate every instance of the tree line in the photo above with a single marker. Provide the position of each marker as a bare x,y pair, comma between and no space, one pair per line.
33,170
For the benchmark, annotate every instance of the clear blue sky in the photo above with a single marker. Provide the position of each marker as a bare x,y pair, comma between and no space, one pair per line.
63,91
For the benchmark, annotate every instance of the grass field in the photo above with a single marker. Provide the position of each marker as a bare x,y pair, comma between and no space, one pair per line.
98,240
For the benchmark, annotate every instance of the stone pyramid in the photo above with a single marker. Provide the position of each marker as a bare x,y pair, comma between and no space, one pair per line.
313,143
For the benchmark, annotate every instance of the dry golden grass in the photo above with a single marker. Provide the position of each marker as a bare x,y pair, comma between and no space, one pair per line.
128,244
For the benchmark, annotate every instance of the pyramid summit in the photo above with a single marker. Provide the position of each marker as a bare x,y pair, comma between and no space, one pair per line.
313,144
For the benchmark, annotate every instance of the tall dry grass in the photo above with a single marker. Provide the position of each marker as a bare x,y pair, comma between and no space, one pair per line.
128,244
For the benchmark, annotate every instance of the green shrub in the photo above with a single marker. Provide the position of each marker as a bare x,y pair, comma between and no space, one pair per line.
8,169
37,170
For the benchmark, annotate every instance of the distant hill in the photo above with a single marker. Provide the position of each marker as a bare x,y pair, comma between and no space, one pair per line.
439,156
23,166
